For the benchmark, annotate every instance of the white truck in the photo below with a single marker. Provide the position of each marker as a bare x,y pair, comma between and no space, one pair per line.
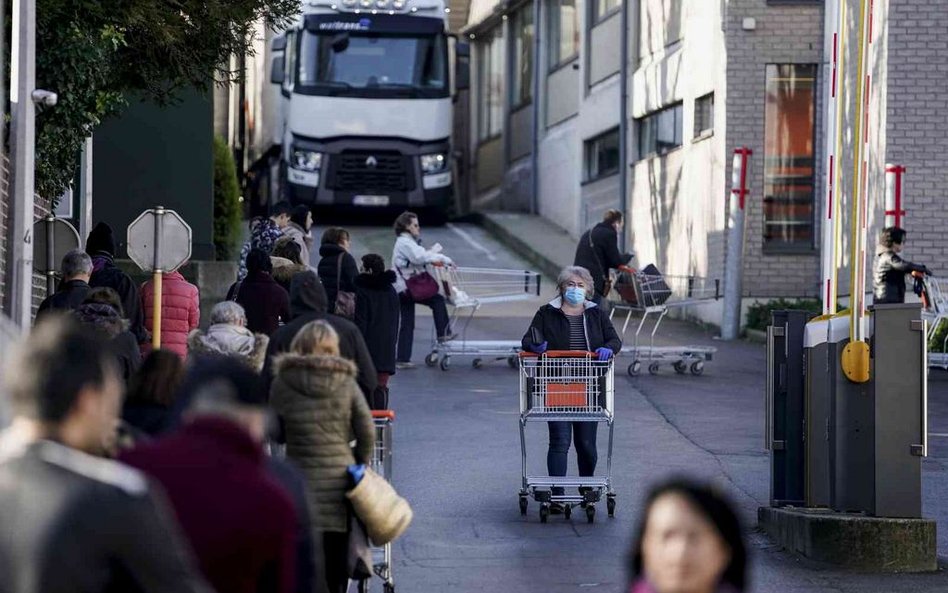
368,89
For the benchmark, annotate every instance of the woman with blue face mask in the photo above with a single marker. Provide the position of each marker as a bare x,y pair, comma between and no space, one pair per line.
572,321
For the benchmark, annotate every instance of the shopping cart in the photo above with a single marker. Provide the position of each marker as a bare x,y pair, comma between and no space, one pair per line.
382,464
566,386
935,312
652,295
467,290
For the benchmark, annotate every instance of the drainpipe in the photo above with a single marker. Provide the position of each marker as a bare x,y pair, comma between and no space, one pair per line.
535,149
624,121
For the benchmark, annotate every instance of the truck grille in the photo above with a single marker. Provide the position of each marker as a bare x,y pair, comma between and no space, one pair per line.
369,171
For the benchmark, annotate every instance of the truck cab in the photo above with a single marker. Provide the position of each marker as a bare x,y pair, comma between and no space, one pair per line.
367,106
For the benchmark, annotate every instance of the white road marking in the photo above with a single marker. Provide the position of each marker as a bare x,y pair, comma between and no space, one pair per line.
471,241
939,434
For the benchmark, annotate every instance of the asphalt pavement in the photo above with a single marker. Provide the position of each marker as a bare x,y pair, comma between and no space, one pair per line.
457,458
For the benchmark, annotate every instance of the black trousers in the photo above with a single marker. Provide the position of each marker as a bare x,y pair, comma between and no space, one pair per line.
336,554
406,329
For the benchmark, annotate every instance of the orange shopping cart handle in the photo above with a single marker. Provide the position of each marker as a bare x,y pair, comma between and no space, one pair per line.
387,414
560,354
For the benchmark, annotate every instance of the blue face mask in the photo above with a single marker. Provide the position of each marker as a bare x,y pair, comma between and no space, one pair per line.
575,295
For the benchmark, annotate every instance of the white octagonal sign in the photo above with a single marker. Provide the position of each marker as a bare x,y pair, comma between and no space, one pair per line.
159,239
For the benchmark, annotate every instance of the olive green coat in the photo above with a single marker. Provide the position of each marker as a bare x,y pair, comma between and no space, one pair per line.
322,408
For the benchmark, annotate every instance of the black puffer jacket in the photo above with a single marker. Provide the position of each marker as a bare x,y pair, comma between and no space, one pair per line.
601,254
107,275
308,303
328,269
554,327
888,276
377,316
111,327
67,298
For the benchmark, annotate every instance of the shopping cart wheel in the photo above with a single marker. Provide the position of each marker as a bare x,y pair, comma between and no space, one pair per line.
681,367
590,513
477,363
611,505
544,512
635,368
567,511
512,362
445,363
431,359
523,505
697,367
653,368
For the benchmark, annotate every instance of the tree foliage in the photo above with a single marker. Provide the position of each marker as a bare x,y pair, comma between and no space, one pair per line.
95,53
227,208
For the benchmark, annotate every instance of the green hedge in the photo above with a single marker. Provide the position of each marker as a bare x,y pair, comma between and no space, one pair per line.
227,207
758,314
937,342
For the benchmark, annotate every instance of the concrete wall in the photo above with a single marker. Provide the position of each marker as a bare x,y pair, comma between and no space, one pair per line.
604,44
562,93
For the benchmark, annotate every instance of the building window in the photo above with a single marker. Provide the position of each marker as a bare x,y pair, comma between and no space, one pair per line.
521,88
660,132
564,32
789,121
604,8
490,85
659,25
602,155
704,115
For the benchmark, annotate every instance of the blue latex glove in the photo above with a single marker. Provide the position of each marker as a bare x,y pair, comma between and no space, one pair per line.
603,354
356,473
538,348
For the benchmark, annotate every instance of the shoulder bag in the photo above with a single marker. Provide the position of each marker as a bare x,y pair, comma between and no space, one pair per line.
345,301
421,286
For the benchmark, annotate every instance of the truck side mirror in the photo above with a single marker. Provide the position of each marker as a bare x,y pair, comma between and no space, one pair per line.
277,74
462,66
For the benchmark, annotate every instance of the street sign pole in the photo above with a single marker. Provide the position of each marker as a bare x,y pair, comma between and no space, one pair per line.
156,280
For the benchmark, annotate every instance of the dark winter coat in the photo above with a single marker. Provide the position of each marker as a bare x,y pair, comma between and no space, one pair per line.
602,255
888,276
239,520
328,268
264,233
308,303
111,327
321,407
105,274
554,327
180,312
67,298
308,550
377,317
73,523
150,418
264,301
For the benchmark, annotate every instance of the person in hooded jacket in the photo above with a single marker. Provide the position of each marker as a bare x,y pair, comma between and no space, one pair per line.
265,301
572,321
180,312
100,245
316,395
264,233
102,311
377,313
337,269
299,230
228,336
308,303
287,262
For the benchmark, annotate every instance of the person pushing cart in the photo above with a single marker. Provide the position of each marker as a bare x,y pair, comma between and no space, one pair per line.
574,330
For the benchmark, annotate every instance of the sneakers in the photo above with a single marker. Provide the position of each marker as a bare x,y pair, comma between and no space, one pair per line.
404,365
447,337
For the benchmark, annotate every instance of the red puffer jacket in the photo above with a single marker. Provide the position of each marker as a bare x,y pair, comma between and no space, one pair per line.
180,312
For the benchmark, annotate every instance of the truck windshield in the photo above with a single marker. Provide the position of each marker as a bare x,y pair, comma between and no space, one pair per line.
373,65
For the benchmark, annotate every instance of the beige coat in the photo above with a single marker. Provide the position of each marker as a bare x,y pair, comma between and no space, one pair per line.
322,408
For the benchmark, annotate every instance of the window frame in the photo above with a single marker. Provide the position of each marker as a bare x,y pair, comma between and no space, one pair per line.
679,127
596,19
590,143
485,122
521,101
708,131
771,247
556,62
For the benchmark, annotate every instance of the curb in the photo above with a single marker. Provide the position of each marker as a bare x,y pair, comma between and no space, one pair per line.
545,265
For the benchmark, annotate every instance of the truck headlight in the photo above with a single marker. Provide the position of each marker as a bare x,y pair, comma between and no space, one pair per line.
433,163
307,160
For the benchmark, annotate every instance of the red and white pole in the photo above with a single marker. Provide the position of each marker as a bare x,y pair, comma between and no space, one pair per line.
734,261
894,195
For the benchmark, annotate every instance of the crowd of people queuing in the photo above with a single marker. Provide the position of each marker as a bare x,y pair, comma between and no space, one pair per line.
133,469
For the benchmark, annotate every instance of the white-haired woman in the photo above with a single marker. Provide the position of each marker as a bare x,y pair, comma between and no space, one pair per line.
572,321
228,336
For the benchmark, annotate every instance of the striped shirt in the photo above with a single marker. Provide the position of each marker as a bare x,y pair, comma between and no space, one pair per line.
577,333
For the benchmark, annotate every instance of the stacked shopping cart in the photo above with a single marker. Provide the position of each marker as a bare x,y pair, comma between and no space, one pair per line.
935,312
652,295
382,464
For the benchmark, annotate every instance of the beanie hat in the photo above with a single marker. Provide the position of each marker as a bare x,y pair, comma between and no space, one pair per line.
100,239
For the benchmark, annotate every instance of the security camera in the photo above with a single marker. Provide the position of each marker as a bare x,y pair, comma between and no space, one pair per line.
45,98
